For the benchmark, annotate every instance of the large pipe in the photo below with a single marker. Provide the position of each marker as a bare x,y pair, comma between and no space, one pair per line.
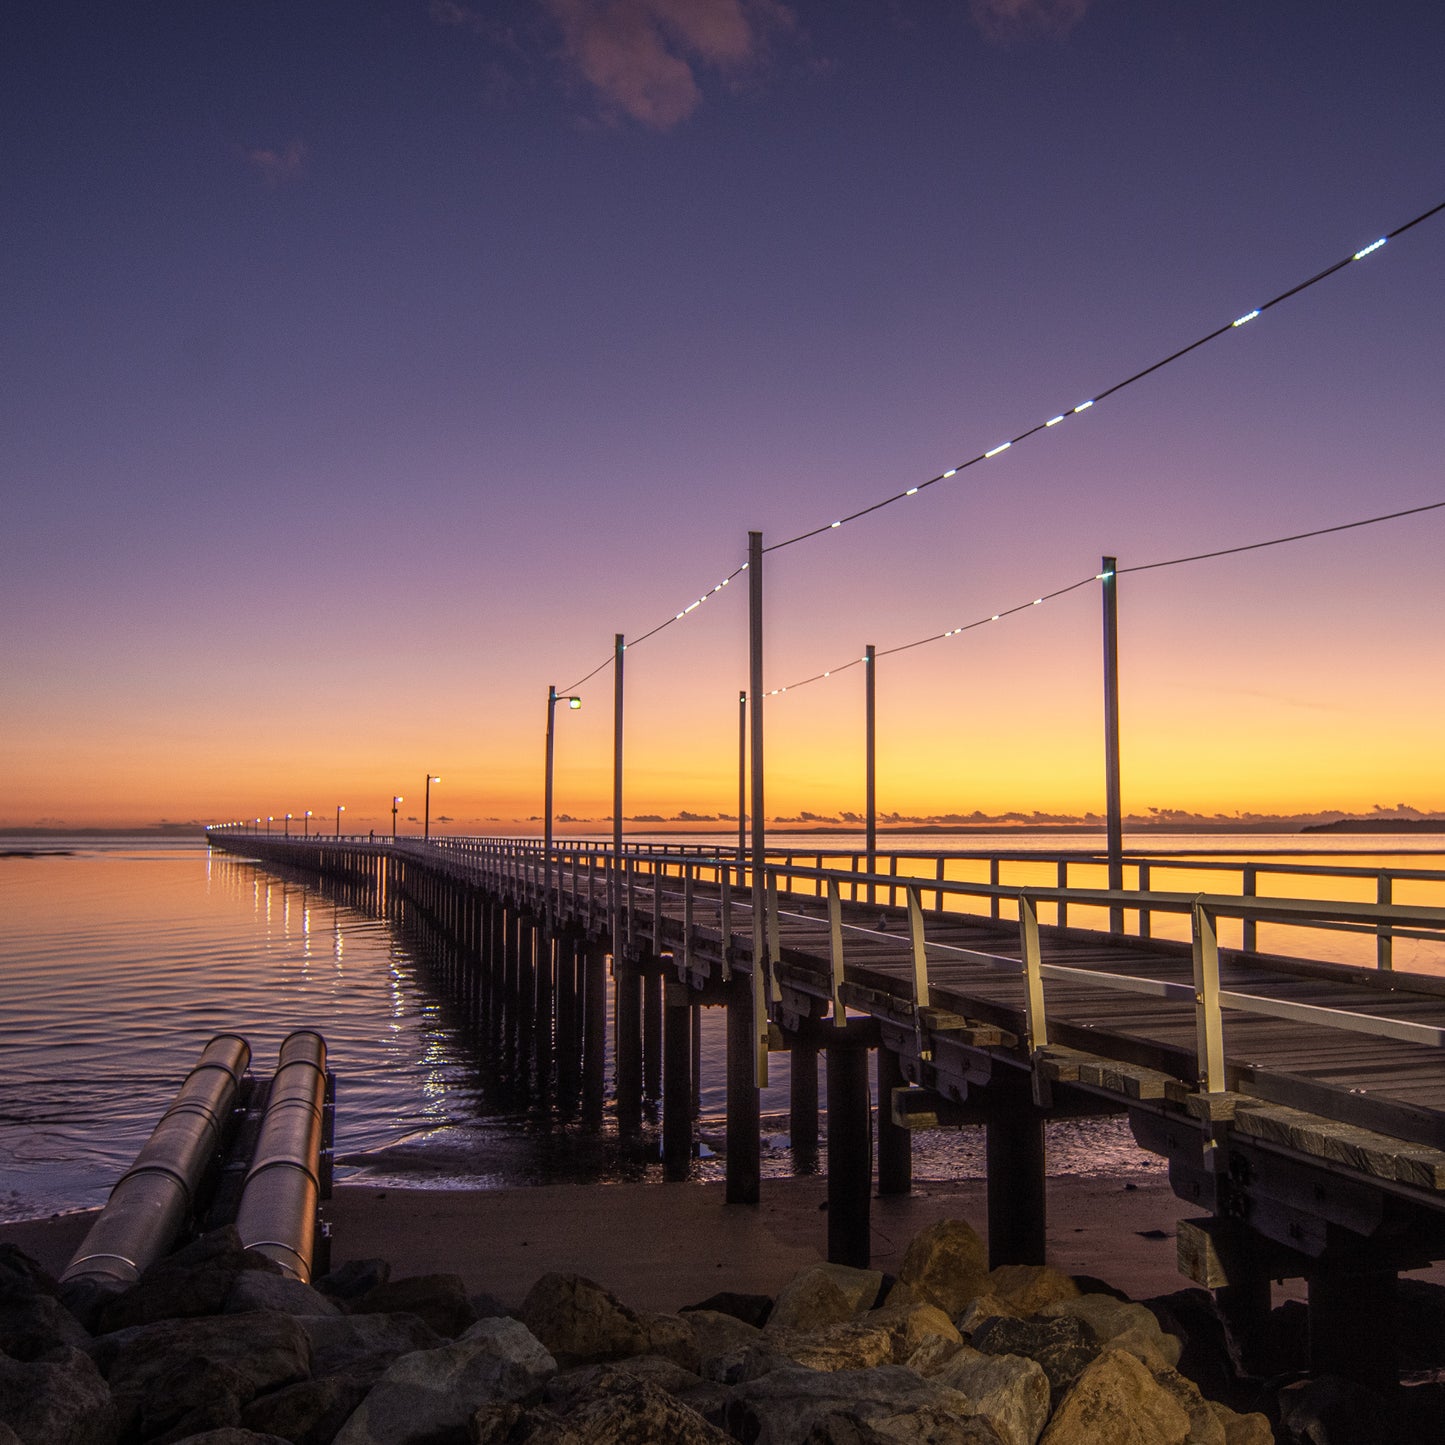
152,1200
277,1213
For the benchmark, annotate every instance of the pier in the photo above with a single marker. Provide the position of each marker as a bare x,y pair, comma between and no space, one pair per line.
1300,1104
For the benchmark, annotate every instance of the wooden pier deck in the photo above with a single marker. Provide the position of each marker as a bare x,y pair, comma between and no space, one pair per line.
1300,1104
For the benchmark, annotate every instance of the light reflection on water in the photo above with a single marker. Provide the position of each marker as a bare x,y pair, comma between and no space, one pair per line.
123,958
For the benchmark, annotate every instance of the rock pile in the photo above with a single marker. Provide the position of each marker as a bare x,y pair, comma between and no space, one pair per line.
214,1347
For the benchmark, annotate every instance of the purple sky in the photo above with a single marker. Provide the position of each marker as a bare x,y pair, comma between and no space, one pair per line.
366,366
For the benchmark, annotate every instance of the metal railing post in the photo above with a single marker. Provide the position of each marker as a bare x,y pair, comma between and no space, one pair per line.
1249,888
1208,1020
1145,912
835,951
1385,939
1033,979
1063,874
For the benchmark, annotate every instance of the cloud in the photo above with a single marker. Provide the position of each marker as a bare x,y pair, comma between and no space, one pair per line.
278,167
642,58
1008,20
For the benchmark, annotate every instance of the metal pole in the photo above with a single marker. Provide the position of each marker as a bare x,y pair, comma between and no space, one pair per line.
1109,576
755,689
619,646
340,809
426,811
869,771
547,818
742,779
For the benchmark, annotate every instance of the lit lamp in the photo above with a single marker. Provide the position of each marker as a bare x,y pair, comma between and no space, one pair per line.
340,809
426,811
573,703
397,799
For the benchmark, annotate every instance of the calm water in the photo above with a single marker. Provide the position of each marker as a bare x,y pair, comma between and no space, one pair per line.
122,958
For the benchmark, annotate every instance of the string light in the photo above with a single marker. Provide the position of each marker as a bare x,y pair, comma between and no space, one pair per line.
1108,576
1117,386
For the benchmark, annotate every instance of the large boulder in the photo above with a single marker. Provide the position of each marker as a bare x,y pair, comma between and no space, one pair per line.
619,1409
824,1294
1115,1399
256,1290
1330,1411
1012,1391
851,1345
911,1327
1205,1427
946,1265
1063,1347
192,1282
439,1299
364,1344
722,1341
798,1406
354,1279
581,1324
309,1413
430,1393
1122,1325
752,1309
1028,1288
62,1398
159,1373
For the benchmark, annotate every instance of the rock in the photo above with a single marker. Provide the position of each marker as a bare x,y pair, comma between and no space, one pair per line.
624,1411
911,1326
797,1406
1117,1400
1250,1429
752,1309
438,1299
34,1323
59,1399
722,1340
808,1301
1330,1411
231,1435
1064,1347
354,1279
986,1306
497,1423
487,1306
192,1282
1012,1391
431,1393
852,1345
581,1323
1122,1325
238,1355
563,1390
946,1265
932,1355
364,1344
254,1290
187,1399
1027,1288
309,1413
1205,1428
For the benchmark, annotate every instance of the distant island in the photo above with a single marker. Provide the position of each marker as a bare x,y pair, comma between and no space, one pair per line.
1378,825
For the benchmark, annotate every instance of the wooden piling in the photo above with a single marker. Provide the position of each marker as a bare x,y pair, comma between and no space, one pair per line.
850,1155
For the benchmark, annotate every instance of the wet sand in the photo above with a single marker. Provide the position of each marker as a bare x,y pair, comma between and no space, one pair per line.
660,1246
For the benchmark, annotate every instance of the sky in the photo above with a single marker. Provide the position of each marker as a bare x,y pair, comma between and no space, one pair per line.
366,367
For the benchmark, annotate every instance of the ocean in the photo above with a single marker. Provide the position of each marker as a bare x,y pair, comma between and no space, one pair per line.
121,957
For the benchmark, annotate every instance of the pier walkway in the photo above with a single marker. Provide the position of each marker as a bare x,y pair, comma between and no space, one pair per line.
1300,1103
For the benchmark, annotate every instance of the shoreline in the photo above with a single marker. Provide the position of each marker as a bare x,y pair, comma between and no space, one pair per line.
661,1246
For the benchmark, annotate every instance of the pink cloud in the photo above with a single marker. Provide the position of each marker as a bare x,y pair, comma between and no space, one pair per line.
1005,20
276,167
642,57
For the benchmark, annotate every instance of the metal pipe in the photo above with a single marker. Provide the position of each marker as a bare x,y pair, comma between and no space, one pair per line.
152,1200
277,1213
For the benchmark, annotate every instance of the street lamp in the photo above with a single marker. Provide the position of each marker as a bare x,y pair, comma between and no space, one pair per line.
270,818
573,703
288,825
306,823
426,812
258,825
340,809
397,799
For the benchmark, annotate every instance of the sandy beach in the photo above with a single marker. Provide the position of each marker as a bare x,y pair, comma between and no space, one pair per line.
660,1246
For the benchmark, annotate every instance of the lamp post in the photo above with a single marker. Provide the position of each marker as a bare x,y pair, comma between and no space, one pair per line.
306,824
288,825
269,820
573,703
395,800
426,812
340,809
257,825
